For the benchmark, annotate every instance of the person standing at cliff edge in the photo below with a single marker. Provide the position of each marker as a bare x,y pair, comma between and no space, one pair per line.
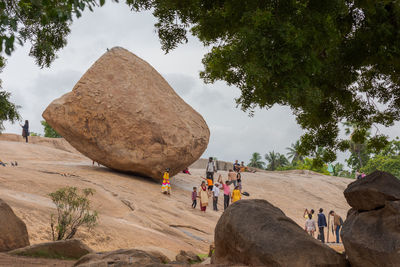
25,130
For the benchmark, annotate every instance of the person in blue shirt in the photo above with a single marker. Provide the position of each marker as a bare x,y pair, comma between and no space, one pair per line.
321,225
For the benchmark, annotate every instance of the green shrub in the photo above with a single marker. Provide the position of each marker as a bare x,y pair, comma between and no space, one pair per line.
73,211
49,131
389,164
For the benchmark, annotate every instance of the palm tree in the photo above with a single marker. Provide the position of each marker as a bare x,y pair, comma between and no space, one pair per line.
294,152
272,159
282,160
256,162
356,147
337,169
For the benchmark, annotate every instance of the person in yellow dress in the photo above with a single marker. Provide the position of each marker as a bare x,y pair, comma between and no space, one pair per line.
236,195
166,186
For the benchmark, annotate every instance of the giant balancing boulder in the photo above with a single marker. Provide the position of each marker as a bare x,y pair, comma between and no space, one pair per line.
124,115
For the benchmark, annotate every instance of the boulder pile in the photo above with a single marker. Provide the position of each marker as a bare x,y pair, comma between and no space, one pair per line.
267,237
371,233
124,115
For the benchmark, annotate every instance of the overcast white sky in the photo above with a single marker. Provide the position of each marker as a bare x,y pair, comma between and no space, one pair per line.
234,135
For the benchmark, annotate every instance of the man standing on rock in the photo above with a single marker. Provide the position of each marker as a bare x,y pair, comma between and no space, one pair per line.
337,222
321,225
215,192
210,169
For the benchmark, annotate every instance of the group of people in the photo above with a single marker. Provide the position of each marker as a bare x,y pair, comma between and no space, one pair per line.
13,164
310,226
210,188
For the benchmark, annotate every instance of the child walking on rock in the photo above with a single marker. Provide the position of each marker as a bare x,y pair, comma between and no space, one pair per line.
194,197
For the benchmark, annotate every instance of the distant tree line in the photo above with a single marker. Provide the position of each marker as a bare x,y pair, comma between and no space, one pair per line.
48,131
363,156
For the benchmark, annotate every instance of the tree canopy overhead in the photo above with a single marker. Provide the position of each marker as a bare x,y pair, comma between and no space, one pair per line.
45,25
329,60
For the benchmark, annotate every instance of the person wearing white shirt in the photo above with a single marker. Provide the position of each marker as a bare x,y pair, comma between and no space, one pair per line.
215,192
210,169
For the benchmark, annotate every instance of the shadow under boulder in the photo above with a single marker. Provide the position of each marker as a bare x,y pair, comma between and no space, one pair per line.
371,232
254,232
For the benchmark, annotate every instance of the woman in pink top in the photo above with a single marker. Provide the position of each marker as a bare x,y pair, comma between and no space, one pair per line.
227,191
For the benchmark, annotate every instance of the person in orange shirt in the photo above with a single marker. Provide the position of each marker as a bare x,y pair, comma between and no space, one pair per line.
210,183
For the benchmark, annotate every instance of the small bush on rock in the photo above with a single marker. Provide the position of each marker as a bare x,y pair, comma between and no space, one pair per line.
73,211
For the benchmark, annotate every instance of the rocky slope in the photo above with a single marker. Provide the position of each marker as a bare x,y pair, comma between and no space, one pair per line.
133,212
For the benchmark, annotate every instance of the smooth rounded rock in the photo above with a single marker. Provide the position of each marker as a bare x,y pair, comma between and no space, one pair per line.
256,233
70,248
373,191
372,238
124,115
13,232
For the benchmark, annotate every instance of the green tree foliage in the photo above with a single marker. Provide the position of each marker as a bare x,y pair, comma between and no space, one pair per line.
8,111
387,160
256,161
73,211
43,24
295,153
338,170
49,131
329,60
306,164
358,145
275,160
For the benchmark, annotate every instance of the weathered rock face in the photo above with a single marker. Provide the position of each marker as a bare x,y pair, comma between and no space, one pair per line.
371,232
187,257
373,238
71,248
122,257
254,232
372,191
13,233
124,115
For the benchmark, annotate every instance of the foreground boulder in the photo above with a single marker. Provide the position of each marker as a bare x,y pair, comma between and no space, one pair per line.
62,249
373,191
13,232
256,233
124,115
371,232
373,238
122,257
